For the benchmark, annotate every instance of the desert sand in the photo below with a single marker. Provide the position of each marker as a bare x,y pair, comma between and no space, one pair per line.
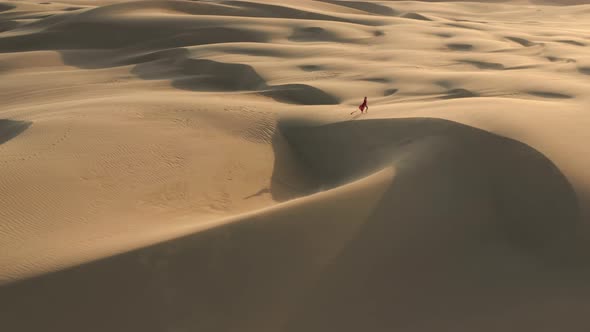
195,166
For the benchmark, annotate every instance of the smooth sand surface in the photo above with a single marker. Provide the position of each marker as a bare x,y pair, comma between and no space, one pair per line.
195,166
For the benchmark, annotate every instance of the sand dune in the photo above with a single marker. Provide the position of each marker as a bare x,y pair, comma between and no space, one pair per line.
194,165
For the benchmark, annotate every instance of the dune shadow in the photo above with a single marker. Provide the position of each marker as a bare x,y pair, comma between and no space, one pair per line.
571,42
472,227
361,147
156,47
460,47
188,73
194,74
272,10
394,273
291,177
369,7
314,34
390,92
559,59
442,34
9,129
522,41
551,95
522,67
311,67
415,16
377,79
484,64
200,74
459,93
300,94
469,21
465,26
6,7
69,9
7,25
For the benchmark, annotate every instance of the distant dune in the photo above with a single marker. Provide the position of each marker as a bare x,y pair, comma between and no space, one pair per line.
203,166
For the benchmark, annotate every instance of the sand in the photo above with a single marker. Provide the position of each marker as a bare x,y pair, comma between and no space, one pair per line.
195,166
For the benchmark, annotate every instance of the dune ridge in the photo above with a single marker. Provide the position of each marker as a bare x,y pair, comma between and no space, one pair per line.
194,165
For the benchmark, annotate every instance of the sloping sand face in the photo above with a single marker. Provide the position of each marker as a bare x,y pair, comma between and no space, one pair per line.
195,166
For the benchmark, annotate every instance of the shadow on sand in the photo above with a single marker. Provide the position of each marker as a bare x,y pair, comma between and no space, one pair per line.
155,48
9,129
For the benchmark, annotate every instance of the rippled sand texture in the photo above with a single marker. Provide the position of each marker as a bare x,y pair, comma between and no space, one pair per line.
194,166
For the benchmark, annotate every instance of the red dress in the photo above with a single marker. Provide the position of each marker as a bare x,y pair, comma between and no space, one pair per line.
363,105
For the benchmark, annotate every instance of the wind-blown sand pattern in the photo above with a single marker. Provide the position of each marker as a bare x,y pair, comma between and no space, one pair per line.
194,166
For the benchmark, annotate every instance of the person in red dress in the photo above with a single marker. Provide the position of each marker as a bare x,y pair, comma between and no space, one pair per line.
364,107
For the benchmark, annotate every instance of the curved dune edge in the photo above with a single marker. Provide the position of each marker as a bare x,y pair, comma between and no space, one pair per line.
150,180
